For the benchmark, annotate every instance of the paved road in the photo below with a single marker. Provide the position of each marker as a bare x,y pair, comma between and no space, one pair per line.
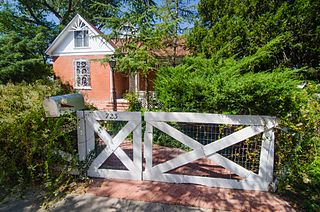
89,202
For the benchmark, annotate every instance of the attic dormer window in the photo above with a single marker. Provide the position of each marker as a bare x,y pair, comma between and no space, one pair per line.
81,34
81,38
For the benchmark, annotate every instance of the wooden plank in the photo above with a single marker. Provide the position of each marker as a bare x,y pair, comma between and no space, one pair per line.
125,131
179,160
114,116
220,160
210,118
137,148
270,166
90,138
148,137
176,134
101,132
207,181
124,158
100,159
209,149
233,167
81,134
267,156
114,174
232,139
112,144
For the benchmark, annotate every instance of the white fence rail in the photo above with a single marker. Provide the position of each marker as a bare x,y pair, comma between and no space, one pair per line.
89,125
255,125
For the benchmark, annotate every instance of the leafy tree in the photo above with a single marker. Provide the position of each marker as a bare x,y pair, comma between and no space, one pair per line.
36,11
22,49
26,31
133,30
176,14
20,59
236,27
143,28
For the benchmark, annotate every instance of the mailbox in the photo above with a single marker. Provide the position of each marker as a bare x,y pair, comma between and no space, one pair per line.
56,106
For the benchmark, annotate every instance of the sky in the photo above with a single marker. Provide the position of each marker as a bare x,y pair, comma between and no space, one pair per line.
51,17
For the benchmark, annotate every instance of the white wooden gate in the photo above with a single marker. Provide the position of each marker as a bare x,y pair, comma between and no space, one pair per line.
255,125
88,125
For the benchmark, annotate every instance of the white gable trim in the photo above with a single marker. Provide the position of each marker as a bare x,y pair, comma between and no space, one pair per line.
81,53
59,39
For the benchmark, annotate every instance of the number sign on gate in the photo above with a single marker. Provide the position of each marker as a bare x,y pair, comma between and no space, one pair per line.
88,126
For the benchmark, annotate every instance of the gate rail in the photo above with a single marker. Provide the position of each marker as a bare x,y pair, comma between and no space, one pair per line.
255,126
88,125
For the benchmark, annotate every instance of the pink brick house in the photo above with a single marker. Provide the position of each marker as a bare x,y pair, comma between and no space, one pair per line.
75,52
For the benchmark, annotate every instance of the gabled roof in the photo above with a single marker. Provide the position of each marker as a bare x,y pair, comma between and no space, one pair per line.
60,37
181,50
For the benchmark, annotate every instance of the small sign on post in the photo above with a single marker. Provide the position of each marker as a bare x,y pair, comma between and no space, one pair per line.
56,106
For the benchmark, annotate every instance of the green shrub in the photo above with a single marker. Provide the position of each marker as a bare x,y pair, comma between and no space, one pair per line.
134,103
29,141
205,86
298,150
233,86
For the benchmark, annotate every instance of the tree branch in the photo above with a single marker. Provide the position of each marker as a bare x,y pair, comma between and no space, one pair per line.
32,14
51,9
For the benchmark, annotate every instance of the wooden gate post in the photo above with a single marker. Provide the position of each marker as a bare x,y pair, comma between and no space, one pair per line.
85,134
81,133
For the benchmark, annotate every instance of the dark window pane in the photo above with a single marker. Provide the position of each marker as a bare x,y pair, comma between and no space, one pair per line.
78,38
78,81
82,74
81,38
85,38
84,81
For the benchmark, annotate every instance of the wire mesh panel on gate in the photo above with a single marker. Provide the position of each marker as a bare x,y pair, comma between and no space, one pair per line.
229,147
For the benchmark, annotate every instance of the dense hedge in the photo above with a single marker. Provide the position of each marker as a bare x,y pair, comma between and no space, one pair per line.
227,86
30,141
236,87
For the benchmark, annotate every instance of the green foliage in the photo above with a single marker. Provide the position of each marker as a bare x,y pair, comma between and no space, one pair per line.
230,85
30,142
298,149
242,27
23,62
26,31
134,103
245,86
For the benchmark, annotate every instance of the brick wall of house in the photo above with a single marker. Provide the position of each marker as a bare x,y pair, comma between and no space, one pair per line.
99,94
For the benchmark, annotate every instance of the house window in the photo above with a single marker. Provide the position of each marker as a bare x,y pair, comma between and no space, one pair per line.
82,74
81,38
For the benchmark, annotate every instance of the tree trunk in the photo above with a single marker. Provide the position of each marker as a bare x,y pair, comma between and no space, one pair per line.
132,83
175,40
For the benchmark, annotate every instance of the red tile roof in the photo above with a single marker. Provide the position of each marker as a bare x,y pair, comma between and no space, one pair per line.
181,49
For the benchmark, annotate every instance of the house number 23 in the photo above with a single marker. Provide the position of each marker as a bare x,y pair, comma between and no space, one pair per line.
112,116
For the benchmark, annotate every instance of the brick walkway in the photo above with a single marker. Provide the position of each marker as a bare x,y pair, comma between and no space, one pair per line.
189,195
185,194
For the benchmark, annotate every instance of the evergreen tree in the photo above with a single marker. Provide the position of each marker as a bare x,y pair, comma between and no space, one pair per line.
26,31
236,27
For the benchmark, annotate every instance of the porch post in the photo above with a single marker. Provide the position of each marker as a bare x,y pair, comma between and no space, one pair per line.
112,63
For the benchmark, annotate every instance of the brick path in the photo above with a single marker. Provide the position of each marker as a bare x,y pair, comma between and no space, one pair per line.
185,194
189,195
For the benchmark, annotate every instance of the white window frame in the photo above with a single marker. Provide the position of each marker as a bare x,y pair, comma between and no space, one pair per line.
82,40
76,74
